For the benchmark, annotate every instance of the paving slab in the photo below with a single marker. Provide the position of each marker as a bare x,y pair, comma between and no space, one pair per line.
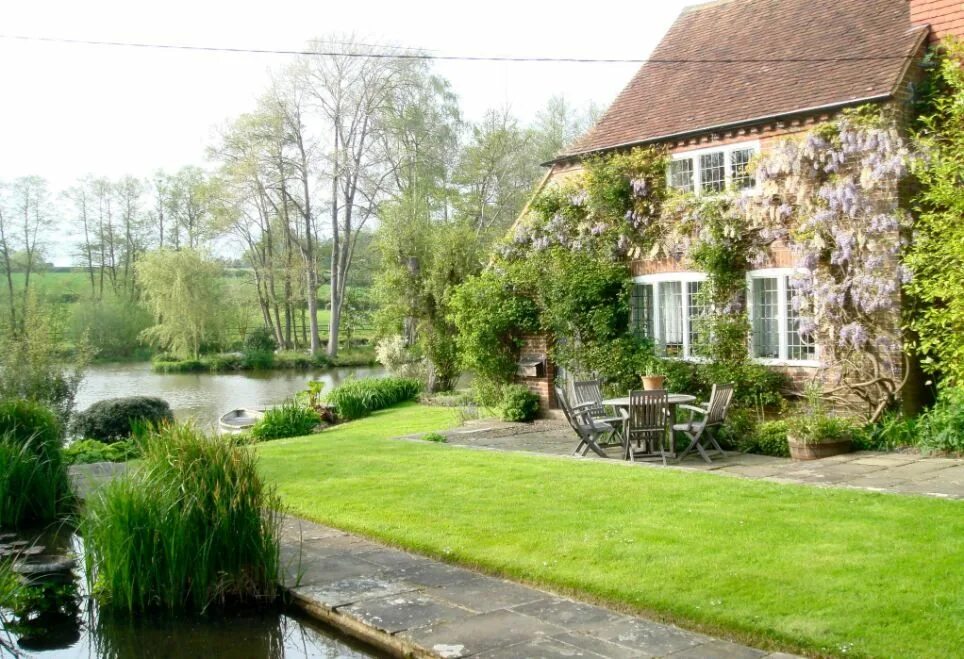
481,633
719,650
353,590
484,594
653,638
540,648
396,613
574,616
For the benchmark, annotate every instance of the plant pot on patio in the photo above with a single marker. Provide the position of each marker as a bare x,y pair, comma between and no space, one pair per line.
815,435
653,382
802,450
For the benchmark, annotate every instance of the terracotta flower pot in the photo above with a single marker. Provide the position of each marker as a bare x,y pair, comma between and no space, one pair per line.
651,382
800,450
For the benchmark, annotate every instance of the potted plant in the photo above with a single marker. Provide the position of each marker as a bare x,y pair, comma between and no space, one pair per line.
814,434
651,382
651,366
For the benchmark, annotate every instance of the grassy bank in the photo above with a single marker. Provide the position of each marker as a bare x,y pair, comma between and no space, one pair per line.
291,360
827,571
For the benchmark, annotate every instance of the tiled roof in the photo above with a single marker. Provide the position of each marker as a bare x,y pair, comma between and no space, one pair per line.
666,99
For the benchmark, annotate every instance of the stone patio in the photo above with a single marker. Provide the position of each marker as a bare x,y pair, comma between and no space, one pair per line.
904,473
411,605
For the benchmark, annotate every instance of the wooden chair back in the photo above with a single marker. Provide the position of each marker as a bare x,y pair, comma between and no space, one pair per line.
587,391
720,398
567,411
647,411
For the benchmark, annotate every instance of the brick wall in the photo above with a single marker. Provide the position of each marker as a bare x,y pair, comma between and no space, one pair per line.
946,17
535,346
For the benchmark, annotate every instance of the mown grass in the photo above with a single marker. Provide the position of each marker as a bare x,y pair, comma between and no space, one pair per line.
825,571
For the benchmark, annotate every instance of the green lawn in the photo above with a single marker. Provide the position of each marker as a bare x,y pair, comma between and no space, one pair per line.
826,571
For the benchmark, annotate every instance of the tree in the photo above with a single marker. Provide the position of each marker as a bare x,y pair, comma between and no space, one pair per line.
557,125
25,216
182,290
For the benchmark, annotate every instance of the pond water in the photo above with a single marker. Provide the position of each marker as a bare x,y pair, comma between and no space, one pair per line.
206,396
67,623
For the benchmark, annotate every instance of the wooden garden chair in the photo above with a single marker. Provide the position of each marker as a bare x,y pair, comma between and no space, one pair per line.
701,431
647,425
590,391
589,430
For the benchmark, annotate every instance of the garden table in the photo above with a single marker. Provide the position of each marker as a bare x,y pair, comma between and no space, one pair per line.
622,403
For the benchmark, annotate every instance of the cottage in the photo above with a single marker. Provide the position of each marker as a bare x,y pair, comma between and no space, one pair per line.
731,80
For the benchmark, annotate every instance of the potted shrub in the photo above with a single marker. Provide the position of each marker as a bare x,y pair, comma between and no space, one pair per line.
651,382
815,434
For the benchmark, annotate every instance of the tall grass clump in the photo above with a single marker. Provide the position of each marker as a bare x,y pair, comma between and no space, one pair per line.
192,527
288,420
357,398
34,486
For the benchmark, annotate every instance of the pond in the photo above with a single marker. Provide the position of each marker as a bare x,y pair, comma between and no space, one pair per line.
206,396
67,623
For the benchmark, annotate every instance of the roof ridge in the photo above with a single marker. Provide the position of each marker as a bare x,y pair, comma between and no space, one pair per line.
705,4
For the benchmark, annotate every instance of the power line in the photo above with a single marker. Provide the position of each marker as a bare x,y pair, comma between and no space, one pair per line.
421,54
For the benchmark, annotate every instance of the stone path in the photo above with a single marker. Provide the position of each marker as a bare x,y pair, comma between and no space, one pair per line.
905,473
411,605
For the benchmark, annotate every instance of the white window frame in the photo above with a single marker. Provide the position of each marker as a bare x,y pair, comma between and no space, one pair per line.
683,278
782,276
727,150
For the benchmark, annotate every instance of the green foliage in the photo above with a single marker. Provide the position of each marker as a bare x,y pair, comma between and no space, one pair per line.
936,256
259,347
112,326
33,478
33,366
942,427
287,420
738,431
518,403
116,418
438,438
357,398
192,527
491,318
892,431
768,438
182,289
755,385
820,428
87,451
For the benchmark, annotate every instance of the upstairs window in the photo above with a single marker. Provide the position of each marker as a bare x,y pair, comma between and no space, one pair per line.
712,171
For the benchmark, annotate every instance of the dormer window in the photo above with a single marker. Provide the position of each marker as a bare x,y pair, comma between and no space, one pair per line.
714,170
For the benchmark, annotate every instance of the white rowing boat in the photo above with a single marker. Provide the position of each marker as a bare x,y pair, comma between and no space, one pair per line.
239,420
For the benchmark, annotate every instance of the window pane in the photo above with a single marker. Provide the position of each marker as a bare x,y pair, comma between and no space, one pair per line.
713,172
740,172
766,330
798,347
641,319
696,311
681,175
671,316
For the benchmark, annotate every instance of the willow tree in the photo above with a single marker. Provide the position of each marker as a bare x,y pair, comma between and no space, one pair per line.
182,290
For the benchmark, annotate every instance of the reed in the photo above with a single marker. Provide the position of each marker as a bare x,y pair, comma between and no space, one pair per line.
357,398
192,527
34,486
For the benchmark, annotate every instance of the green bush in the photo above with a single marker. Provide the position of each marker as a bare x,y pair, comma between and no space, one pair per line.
942,426
817,428
33,478
434,437
892,431
114,418
167,365
518,403
768,438
287,420
259,347
739,430
357,398
192,527
87,451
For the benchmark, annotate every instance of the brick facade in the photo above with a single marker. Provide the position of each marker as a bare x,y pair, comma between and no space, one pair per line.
946,17
535,347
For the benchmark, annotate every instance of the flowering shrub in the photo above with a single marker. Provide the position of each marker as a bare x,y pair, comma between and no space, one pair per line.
832,198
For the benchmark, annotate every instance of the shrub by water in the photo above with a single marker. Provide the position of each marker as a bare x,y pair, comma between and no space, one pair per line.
114,419
357,398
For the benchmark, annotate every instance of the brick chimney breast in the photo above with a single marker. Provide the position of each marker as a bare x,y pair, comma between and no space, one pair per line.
946,17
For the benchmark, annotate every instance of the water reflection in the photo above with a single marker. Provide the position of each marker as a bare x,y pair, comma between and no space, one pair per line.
205,396
55,619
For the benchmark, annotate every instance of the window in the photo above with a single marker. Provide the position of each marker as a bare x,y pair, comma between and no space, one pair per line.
697,310
710,171
641,311
666,310
713,172
740,174
681,175
773,320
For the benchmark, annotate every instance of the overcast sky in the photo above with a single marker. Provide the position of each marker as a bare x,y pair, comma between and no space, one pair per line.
71,110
